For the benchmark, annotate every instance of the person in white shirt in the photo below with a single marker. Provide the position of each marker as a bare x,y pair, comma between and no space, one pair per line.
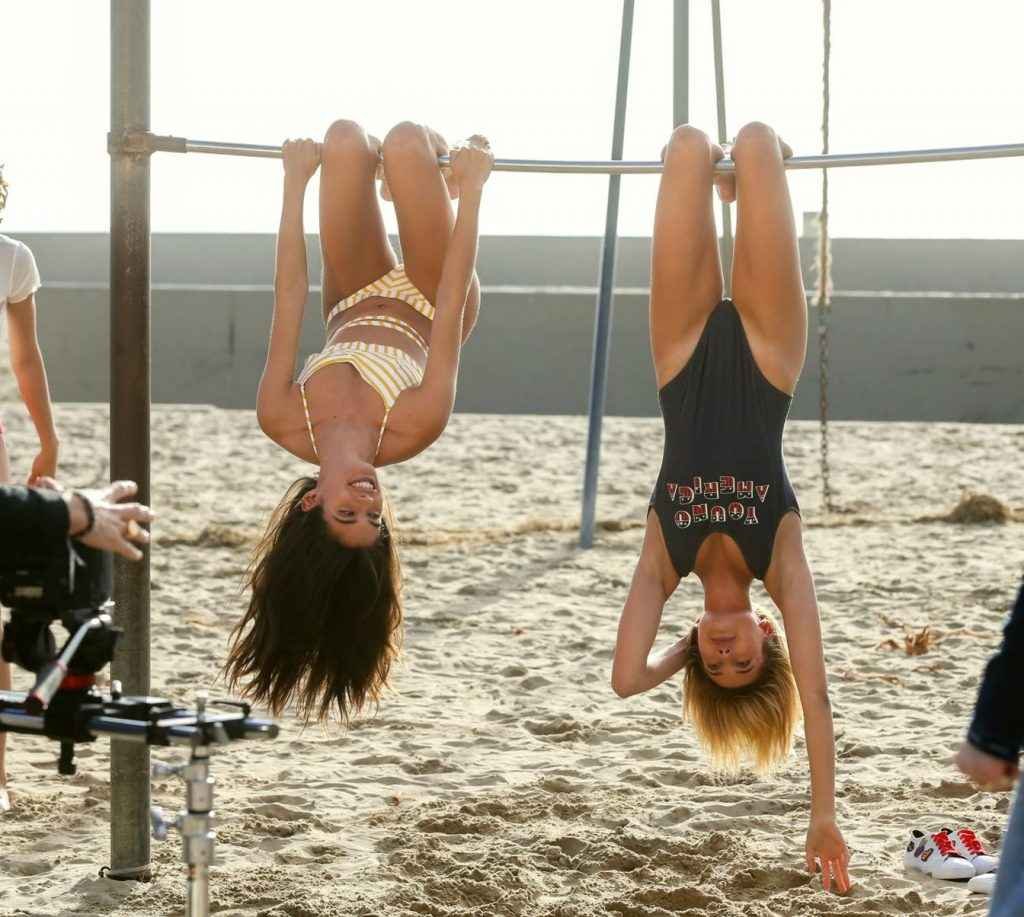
19,280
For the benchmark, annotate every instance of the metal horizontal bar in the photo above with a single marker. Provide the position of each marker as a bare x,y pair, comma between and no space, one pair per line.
633,167
521,289
830,161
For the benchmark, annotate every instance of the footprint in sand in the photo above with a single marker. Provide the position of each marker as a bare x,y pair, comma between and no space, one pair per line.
26,865
950,789
560,785
682,900
559,728
534,682
429,766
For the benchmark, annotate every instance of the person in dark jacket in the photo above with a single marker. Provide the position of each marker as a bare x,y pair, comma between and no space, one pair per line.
990,755
32,519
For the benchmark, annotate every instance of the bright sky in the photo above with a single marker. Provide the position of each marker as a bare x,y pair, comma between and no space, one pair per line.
538,78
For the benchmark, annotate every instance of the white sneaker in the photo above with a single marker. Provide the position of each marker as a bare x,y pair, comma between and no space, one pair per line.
969,847
5,800
983,885
936,855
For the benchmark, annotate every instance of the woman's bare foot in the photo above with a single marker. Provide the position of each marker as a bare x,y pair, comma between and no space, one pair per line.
385,191
725,182
440,146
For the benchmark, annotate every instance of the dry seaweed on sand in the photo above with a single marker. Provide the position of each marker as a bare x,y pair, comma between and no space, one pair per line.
915,643
975,509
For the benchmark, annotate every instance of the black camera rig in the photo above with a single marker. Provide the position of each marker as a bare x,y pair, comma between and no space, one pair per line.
72,583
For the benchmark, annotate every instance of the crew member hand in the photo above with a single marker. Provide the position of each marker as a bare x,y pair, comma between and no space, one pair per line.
301,159
117,524
988,771
826,850
472,162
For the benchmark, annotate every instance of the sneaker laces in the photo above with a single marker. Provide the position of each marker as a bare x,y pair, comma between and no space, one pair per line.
970,841
945,845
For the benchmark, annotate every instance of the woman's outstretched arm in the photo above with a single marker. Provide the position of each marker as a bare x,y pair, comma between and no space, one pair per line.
636,668
291,285
430,405
791,587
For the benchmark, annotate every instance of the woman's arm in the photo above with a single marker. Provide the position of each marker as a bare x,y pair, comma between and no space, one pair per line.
430,405
635,668
291,286
990,755
799,606
30,372
791,587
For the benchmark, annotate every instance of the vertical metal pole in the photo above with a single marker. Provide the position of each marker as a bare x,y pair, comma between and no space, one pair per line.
129,412
605,293
680,62
723,138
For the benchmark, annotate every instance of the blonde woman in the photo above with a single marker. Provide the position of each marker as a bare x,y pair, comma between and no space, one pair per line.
723,507
19,281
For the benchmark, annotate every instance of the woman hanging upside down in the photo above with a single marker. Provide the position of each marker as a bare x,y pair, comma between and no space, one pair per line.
723,506
324,619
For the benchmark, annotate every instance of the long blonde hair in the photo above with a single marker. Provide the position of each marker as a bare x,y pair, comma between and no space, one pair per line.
753,722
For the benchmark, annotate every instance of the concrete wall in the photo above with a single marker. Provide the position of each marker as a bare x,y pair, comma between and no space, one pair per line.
893,358
239,259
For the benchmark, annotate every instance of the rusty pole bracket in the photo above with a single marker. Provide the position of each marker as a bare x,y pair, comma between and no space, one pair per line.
143,143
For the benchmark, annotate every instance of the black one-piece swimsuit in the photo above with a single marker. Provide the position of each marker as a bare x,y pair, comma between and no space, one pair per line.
722,469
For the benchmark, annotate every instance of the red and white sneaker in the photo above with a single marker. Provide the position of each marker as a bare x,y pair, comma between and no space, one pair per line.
936,855
969,847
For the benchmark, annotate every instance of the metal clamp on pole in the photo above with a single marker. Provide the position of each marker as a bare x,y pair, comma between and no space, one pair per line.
143,143
128,143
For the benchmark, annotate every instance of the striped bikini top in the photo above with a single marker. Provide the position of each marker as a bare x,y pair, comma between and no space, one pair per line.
387,370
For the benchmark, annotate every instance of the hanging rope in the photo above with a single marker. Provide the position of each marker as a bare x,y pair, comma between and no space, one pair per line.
823,294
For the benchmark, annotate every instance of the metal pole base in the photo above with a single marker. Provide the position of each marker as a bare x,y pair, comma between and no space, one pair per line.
129,873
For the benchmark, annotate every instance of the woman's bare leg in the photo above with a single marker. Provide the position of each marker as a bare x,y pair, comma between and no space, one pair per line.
353,240
423,206
686,273
766,279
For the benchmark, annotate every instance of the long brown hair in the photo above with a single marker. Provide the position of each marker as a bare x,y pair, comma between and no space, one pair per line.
324,621
755,721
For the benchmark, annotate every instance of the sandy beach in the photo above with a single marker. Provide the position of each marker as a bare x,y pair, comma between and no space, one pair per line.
501,775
